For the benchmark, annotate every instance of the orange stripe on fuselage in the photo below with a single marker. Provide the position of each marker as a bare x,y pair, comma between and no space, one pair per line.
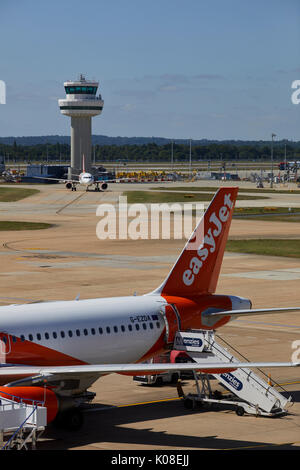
28,352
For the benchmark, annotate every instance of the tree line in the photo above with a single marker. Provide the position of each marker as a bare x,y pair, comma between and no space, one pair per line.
152,152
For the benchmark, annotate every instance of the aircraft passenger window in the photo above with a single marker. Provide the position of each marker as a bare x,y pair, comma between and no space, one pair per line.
123,328
158,324
144,326
47,335
54,334
151,325
62,334
70,333
38,336
115,329
93,331
137,327
100,331
22,338
14,339
130,327
107,329
85,332
29,336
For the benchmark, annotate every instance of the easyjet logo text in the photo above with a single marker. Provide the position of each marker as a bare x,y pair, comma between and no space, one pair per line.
208,244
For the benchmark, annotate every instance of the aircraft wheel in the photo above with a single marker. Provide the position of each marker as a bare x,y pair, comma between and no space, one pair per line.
70,420
174,378
159,382
188,403
240,411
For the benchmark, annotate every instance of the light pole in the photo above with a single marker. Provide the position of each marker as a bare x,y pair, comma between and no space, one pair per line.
272,176
190,163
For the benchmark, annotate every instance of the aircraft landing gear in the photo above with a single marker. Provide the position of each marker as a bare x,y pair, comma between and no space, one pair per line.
69,420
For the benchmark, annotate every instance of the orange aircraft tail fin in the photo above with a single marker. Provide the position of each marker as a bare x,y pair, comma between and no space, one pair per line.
197,269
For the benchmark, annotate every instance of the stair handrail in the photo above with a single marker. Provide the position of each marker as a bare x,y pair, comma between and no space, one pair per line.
247,360
20,400
6,445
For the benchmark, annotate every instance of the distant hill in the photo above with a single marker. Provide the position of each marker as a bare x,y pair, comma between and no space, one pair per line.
119,141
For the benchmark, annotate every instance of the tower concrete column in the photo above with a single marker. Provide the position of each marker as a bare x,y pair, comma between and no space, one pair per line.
81,142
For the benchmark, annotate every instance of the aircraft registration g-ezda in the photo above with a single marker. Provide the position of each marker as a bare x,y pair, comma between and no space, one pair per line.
54,351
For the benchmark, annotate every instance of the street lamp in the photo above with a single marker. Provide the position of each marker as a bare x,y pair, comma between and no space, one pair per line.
190,163
272,176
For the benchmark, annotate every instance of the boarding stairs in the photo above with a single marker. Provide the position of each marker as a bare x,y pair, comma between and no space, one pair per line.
21,424
248,392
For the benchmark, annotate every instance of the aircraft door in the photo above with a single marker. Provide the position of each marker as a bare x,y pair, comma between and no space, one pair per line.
172,321
5,347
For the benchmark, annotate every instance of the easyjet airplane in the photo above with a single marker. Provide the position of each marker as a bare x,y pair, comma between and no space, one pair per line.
54,351
84,178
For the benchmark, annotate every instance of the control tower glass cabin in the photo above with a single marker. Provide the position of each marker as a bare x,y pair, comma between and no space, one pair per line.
81,104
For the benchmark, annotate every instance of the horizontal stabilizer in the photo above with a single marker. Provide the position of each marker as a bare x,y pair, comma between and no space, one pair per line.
250,312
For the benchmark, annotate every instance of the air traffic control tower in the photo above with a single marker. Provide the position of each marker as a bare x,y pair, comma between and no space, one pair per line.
81,104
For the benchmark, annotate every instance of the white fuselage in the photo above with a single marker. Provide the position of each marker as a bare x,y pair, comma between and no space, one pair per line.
86,178
114,330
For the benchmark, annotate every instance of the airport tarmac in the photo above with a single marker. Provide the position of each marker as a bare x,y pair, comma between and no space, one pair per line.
69,259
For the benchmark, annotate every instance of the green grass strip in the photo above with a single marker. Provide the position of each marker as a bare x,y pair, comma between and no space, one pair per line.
7,225
157,197
15,194
274,214
266,246
234,184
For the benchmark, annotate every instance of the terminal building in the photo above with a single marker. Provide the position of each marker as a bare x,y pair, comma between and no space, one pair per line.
81,104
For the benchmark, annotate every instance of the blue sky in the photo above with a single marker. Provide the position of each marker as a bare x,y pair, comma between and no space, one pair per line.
215,69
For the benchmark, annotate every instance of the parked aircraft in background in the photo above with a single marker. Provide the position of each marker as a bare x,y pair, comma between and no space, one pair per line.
84,178
87,179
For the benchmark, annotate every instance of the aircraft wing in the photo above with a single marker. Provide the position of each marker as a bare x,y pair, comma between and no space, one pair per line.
32,375
63,180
